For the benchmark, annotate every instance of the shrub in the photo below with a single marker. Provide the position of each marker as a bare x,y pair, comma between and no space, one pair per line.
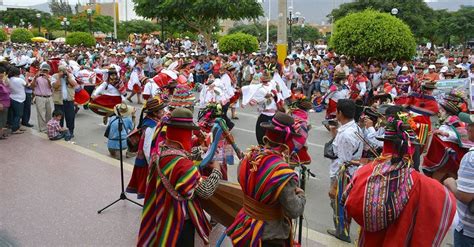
238,42
80,38
371,34
3,35
21,35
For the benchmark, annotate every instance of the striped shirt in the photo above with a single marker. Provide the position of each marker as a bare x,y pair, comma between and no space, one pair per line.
465,184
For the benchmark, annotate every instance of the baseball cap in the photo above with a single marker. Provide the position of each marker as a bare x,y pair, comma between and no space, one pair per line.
432,66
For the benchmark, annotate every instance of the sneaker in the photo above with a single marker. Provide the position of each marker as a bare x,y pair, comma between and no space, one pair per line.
312,110
28,125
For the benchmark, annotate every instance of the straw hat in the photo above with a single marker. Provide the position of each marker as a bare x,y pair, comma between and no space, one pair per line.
123,110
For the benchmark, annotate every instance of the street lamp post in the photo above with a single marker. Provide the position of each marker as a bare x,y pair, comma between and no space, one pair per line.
292,20
38,15
89,14
394,11
65,23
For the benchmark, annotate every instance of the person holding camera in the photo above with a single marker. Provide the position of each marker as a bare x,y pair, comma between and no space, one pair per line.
64,85
42,89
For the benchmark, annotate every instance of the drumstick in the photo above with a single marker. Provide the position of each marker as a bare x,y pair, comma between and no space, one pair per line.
374,152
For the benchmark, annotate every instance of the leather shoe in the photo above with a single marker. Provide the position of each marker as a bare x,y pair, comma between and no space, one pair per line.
333,233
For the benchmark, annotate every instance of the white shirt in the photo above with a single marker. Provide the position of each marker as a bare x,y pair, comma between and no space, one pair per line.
370,135
347,146
266,106
106,89
151,88
17,88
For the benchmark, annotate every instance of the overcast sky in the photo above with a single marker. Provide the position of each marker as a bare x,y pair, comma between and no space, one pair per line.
314,11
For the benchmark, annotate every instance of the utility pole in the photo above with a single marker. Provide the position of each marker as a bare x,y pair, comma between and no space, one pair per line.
282,38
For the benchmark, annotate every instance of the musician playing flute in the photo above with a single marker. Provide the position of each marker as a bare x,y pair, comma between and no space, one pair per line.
270,187
171,213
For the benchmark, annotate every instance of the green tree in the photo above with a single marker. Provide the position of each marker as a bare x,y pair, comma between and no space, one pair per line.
199,15
100,23
80,38
415,13
461,24
3,35
371,34
238,42
135,26
61,8
307,33
21,35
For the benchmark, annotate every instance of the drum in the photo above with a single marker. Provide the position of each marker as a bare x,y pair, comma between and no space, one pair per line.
226,202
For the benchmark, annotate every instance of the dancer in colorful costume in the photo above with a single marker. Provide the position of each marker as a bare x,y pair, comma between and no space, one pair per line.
271,193
109,94
154,110
338,90
298,109
384,197
172,213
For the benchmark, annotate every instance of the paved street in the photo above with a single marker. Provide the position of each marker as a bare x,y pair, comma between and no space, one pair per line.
56,188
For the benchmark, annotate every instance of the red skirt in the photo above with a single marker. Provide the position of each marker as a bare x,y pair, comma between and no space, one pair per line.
235,98
82,97
331,110
104,104
137,182
137,88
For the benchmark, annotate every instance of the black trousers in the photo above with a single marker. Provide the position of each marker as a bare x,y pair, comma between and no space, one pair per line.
25,119
186,237
69,114
229,122
259,131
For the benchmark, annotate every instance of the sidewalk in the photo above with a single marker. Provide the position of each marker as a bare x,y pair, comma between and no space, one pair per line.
50,193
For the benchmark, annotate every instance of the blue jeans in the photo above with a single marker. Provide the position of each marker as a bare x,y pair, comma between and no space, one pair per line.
15,112
64,134
462,241
25,119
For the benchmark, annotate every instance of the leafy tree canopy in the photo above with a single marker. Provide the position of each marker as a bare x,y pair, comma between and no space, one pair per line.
100,23
199,15
60,8
80,38
238,42
371,34
21,35
3,35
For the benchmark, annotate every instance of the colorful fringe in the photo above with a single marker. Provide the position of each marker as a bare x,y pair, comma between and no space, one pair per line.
343,179
163,216
263,174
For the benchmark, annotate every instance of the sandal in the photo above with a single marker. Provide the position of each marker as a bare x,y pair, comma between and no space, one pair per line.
17,132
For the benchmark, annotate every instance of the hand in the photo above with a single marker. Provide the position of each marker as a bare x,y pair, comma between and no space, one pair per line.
299,191
449,181
215,165
368,123
333,130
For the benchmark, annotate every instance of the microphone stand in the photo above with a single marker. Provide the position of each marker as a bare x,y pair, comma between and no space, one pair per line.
122,196
303,187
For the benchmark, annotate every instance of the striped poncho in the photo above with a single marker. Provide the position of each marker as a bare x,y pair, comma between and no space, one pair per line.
262,175
163,216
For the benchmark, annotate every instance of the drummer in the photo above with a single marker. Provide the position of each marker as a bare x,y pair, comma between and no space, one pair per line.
270,189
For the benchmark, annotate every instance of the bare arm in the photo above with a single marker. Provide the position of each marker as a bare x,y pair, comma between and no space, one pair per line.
464,197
